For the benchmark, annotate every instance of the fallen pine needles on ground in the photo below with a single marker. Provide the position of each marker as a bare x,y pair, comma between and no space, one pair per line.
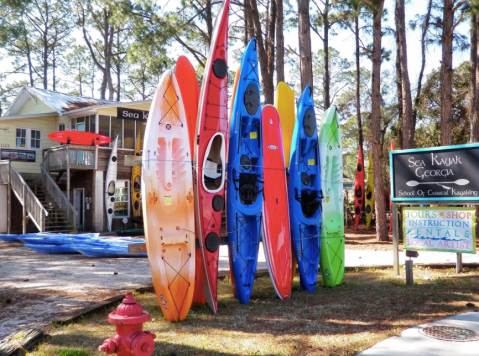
371,305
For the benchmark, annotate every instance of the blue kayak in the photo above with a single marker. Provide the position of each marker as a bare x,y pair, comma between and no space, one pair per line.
52,249
10,237
17,237
55,240
105,251
63,240
304,192
245,175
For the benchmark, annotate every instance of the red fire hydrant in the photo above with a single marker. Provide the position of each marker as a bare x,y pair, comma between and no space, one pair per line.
130,339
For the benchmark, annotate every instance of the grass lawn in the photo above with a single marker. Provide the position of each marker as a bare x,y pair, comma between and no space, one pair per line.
370,306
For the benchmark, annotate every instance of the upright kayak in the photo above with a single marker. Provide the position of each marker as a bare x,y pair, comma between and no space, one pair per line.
305,192
245,176
276,231
136,180
284,102
110,184
168,206
210,154
332,220
369,193
359,188
185,74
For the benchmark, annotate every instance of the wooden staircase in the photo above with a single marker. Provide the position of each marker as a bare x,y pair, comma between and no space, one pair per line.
56,221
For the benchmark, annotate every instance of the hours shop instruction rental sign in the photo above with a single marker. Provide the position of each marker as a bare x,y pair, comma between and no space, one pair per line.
440,229
435,174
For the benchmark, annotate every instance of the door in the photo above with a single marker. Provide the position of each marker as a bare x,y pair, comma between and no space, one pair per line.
4,208
79,204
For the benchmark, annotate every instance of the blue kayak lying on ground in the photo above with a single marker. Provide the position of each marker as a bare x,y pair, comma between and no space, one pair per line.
54,240
52,249
105,251
62,240
18,237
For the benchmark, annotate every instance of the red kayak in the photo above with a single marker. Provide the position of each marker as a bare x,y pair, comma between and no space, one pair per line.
190,92
276,230
210,153
358,188
82,138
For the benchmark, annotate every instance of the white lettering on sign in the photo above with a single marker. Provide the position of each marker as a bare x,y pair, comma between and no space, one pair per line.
130,115
448,161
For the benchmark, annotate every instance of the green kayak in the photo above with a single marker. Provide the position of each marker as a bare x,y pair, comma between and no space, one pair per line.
332,222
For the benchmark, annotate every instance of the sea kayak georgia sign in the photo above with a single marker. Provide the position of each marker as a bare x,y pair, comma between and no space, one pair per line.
440,229
435,174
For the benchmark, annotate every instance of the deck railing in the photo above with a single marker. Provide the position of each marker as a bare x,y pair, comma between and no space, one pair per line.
33,207
77,157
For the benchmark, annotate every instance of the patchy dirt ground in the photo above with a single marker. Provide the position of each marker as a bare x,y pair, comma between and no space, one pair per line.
362,239
36,289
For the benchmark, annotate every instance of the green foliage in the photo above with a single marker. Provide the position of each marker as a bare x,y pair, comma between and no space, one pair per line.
73,352
428,130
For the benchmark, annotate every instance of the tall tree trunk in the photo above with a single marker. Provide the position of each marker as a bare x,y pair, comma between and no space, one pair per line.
375,125
399,92
248,22
279,42
358,81
326,76
305,61
265,48
425,27
474,121
408,128
209,20
446,73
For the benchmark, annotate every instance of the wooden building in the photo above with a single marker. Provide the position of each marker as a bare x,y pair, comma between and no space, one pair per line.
61,187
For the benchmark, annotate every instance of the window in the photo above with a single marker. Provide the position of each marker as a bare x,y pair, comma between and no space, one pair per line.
121,207
126,130
116,129
28,138
35,139
104,127
61,127
21,137
85,123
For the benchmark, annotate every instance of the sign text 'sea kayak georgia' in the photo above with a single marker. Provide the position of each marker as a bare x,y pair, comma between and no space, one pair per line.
445,173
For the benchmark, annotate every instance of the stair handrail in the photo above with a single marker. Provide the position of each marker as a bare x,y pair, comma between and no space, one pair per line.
27,198
59,197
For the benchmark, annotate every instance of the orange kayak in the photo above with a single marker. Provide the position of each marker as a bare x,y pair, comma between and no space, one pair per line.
168,204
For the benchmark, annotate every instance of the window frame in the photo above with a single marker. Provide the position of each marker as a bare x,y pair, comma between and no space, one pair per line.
28,139
120,184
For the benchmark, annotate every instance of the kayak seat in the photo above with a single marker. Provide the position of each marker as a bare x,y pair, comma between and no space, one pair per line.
248,188
310,202
212,174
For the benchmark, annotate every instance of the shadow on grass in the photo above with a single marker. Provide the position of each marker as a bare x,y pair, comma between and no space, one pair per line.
338,321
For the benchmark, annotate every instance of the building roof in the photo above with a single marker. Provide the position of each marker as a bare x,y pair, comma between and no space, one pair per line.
59,103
